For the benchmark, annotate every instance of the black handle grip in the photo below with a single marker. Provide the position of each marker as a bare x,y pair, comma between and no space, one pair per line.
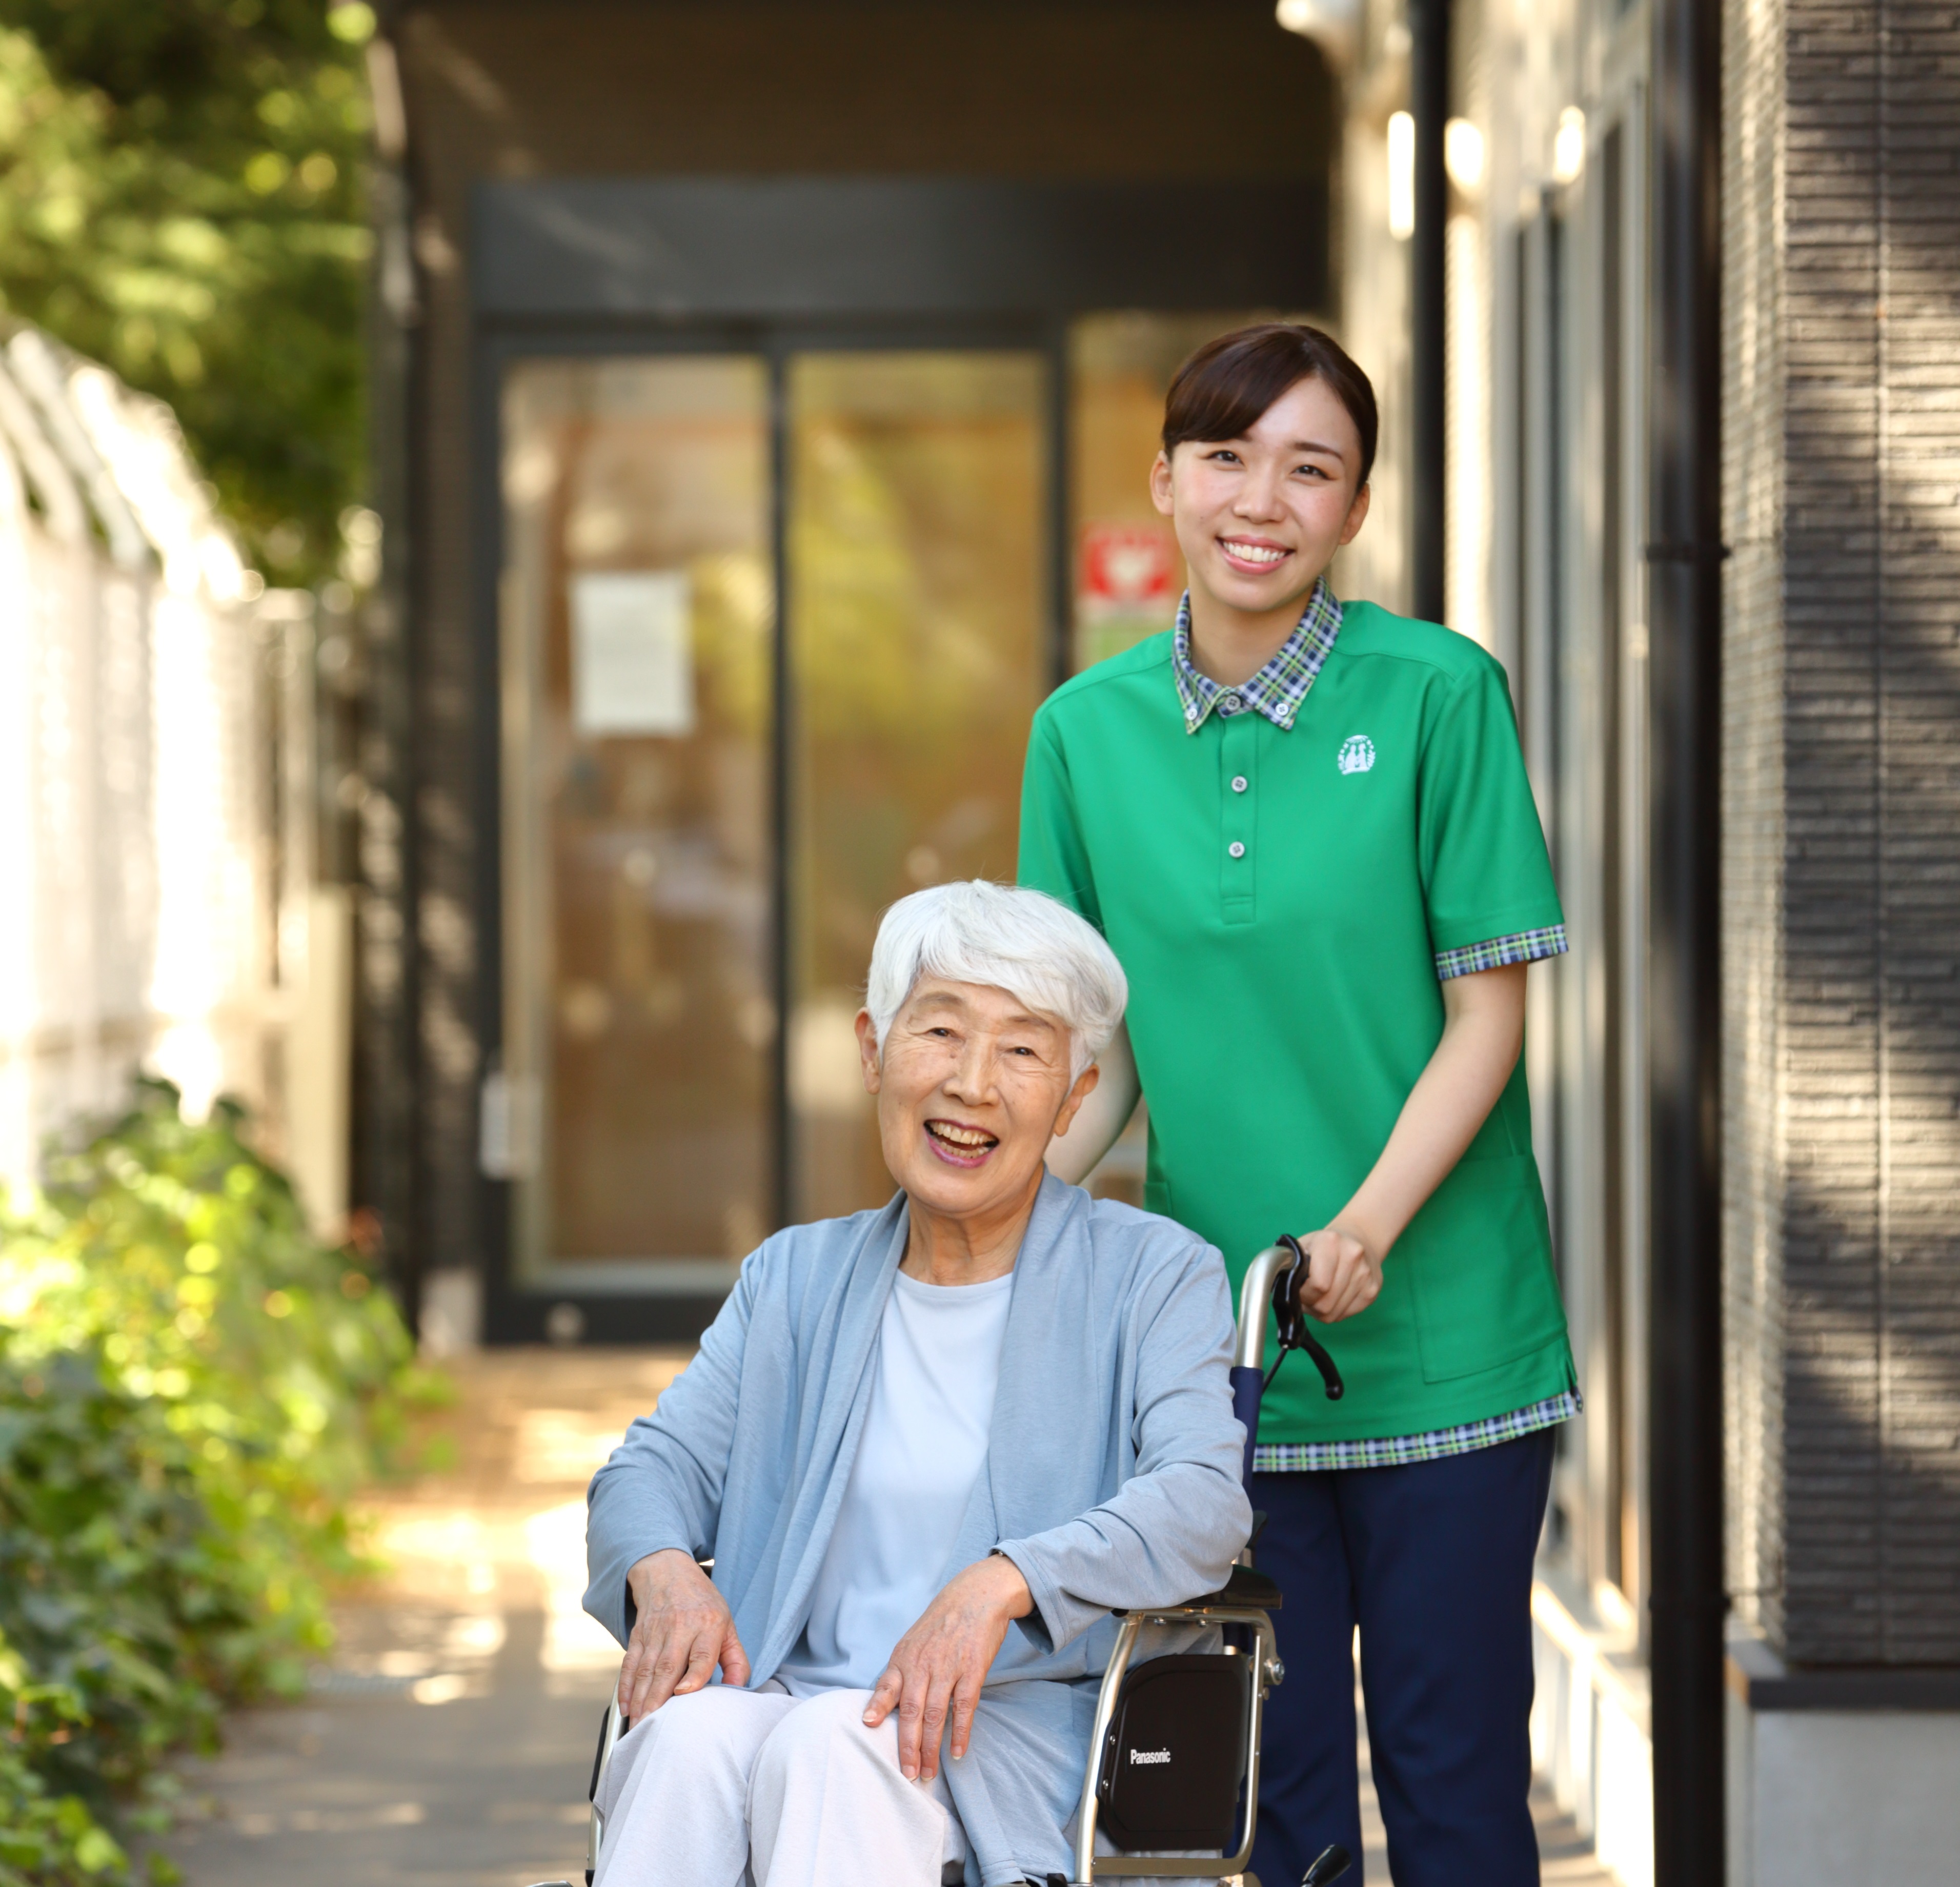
1330,1864
1294,1334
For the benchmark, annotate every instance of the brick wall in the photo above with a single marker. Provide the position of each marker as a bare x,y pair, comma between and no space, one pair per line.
1842,824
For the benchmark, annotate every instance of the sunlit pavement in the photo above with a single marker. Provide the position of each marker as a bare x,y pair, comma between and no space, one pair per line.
450,1740
449,1743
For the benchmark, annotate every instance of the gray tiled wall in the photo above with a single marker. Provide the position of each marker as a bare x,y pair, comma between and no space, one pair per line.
1842,825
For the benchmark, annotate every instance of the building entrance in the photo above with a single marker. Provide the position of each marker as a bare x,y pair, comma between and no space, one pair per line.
776,587
709,800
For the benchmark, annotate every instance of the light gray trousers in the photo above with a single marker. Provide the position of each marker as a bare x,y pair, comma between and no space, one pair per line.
735,1788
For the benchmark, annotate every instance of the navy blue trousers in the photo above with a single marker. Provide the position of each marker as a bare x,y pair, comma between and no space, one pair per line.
1433,1562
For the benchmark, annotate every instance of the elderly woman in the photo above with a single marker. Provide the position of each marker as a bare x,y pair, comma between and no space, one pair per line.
928,1449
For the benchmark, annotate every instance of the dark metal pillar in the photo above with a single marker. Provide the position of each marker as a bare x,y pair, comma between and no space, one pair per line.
1683,944
782,760
387,1062
1429,105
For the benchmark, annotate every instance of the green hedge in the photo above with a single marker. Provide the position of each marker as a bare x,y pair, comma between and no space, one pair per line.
190,1387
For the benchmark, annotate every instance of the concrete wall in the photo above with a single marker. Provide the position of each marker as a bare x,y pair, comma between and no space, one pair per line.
1841,1795
157,907
1824,1795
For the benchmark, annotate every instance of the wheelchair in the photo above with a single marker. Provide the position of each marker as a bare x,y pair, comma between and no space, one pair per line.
1174,1752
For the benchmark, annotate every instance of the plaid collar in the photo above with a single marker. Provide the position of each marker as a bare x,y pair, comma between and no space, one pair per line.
1278,689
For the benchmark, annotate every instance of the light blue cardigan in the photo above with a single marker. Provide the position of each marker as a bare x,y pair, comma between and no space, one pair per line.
1111,1477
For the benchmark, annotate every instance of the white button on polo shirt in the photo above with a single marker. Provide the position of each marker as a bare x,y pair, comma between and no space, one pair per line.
1235,849
1238,783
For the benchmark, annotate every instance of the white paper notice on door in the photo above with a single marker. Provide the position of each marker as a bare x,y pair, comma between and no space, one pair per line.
633,659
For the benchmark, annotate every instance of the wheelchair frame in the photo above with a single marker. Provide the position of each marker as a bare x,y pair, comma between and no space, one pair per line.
1217,1608
1246,1601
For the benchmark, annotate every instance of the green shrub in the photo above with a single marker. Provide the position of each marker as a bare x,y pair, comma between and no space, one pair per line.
44,1838
190,1386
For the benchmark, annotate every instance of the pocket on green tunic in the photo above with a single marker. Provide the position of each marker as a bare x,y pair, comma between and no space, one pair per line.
1478,1256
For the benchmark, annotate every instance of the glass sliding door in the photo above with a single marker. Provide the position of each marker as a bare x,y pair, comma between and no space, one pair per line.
633,1110
918,651
690,890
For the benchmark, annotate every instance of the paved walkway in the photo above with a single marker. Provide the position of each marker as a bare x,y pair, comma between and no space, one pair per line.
450,1743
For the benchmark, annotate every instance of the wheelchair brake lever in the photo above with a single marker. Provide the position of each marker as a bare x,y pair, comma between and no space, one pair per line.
1330,1374
1294,1334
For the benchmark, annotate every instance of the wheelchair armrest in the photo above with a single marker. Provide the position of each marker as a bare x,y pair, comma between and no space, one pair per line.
1246,1590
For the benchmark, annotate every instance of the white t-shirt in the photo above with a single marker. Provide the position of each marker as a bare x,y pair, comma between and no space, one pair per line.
923,1448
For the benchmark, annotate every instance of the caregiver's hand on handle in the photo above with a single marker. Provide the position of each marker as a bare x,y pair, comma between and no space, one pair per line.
1343,1276
1482,1033
682,1630
939,1665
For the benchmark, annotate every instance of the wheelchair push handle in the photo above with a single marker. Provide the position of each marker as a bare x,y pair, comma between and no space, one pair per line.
1272,1283
1294,1334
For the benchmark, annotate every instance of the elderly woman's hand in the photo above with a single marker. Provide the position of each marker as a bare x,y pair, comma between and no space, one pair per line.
941,1663
682,1631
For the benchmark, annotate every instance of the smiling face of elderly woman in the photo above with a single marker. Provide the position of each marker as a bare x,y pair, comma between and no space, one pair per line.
971,1083
985,1007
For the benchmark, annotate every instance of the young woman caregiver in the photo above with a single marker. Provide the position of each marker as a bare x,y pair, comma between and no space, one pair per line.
1305,827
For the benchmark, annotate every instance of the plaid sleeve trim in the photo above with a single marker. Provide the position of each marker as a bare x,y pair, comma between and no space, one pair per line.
1521,946
1399,1451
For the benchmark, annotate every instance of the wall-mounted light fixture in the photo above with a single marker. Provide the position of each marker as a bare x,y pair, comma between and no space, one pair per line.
1401,176
1463,155
1568,145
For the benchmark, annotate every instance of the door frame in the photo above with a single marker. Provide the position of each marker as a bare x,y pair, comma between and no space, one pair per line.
515,1312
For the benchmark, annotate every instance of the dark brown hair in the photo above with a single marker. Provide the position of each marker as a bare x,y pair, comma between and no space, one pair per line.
1228,386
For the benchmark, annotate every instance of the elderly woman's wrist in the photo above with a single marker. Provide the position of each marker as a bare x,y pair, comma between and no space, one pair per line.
1017,1594
666,1559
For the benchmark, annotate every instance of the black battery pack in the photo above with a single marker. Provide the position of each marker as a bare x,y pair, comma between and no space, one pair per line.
1175,1754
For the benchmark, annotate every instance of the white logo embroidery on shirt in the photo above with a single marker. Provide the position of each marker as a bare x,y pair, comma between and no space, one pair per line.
1150,1755
1357,754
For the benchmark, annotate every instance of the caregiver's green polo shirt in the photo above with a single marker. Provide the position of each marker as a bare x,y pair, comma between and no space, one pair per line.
1284,894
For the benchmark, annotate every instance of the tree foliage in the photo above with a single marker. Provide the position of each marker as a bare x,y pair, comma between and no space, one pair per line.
181,197
189,1387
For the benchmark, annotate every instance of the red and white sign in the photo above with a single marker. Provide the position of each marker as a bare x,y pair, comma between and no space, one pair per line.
1126,570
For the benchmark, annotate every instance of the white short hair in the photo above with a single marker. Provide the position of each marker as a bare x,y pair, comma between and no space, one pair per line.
1030,944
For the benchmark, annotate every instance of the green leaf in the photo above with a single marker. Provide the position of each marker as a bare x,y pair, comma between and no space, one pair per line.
96,1853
